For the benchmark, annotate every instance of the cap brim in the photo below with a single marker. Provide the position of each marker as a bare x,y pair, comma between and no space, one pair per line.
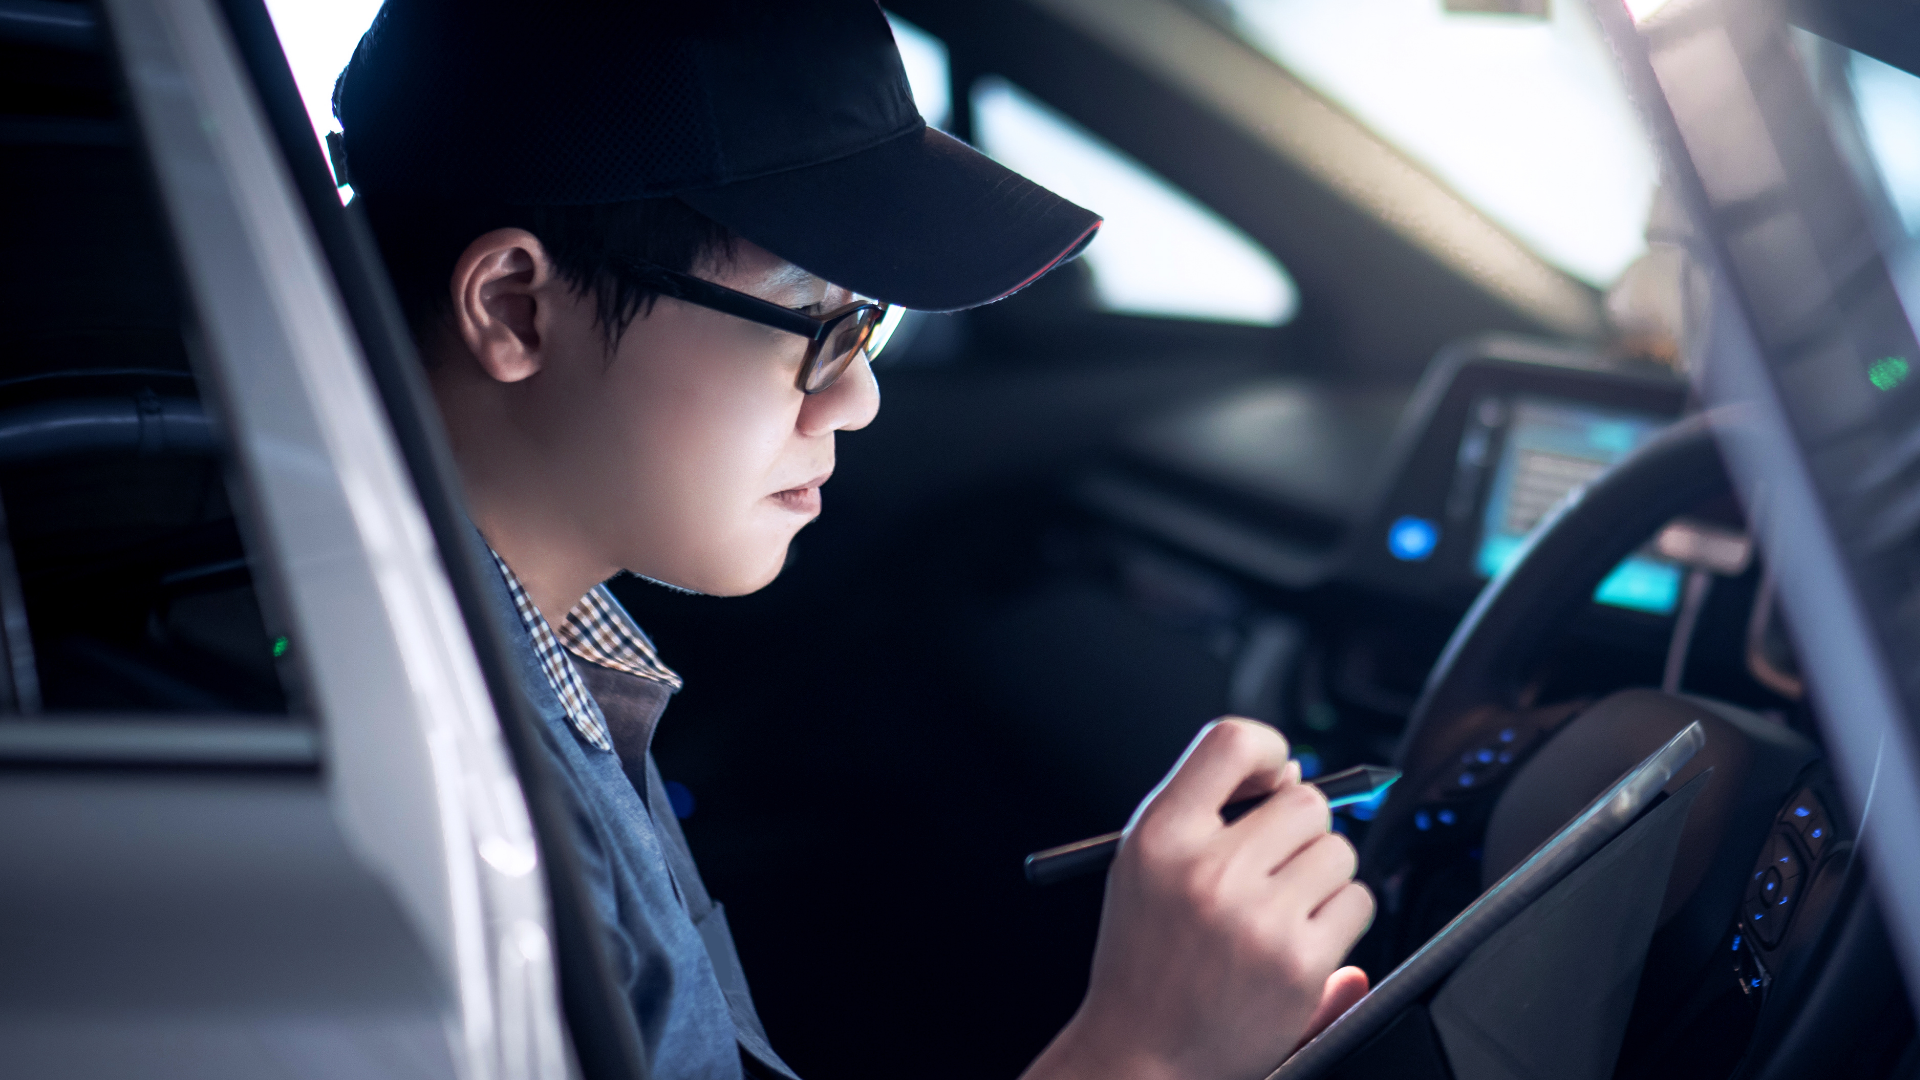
923,220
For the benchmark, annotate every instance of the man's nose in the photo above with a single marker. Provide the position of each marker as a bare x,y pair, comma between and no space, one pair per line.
848,405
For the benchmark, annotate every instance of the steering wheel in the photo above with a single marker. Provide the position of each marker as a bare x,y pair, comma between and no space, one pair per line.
1491,773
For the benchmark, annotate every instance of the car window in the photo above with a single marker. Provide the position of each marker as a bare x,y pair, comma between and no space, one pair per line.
318,39
126,584
928,74
1160,252
1889,106
1563,164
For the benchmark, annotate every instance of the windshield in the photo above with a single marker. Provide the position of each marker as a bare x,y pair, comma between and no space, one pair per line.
1523,116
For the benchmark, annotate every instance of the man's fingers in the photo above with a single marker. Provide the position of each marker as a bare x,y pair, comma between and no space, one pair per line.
1230,758
1315,873
1278,829
1345,915
1343,991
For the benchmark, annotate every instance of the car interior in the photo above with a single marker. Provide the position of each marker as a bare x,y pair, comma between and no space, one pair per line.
1373,458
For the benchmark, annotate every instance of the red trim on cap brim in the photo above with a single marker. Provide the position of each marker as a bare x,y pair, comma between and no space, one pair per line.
1079,243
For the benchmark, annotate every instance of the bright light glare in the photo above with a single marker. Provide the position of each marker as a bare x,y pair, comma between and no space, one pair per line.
1888,102
318,37
925,58
1525,118
1160,252
1642,10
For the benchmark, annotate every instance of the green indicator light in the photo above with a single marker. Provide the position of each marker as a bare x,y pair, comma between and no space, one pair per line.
1888,373
279,647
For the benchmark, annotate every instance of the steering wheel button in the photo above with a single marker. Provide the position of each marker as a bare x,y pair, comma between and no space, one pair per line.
1808,819
1785,859
1765,923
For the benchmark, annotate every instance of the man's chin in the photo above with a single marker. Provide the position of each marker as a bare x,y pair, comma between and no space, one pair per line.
724,580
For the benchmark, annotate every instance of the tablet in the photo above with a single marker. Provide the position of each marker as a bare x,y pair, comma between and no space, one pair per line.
1603,819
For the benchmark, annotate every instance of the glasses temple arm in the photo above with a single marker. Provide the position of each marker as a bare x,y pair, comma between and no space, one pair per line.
727,301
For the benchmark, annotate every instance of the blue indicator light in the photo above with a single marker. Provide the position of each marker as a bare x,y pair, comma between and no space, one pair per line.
1800,811
1422,821
1736,943
1817,833
1412,539
1756,984
1641,585
1446,817
1484,757
1506,734
1466,779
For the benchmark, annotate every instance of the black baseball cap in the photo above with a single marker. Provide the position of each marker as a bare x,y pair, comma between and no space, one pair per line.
790,123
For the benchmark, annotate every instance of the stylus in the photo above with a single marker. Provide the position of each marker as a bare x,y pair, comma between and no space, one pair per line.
1358,784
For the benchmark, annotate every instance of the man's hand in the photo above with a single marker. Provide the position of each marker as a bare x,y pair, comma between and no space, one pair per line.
1218,942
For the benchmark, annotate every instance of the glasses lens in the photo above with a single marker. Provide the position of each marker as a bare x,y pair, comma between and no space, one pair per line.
842,345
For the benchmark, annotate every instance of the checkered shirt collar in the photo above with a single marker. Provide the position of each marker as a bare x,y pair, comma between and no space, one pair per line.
599,631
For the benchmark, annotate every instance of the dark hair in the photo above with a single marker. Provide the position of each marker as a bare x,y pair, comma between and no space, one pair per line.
420,242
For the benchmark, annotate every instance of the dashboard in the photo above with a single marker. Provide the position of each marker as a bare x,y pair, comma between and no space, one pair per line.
1422,496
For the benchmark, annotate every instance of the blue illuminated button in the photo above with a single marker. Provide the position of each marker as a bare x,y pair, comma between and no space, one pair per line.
1807,817
1412,539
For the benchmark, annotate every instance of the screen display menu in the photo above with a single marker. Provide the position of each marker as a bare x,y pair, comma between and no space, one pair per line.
1551,448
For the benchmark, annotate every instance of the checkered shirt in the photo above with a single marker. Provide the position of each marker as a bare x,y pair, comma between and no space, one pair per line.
597,630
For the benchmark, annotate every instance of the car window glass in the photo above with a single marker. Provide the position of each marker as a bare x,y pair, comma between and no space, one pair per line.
1525,117
925,58
125,584
319,38
1160,252
1888,100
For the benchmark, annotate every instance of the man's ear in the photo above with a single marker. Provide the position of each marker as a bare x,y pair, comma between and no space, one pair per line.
502,303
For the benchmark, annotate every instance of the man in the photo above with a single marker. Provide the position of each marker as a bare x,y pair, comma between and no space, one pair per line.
636,243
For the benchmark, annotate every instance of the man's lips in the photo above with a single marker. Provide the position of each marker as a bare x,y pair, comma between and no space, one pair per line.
804,498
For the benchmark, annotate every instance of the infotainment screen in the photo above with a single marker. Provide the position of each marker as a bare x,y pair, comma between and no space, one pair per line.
1549,448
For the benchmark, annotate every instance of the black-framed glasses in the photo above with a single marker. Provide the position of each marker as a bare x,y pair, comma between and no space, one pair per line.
833,339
